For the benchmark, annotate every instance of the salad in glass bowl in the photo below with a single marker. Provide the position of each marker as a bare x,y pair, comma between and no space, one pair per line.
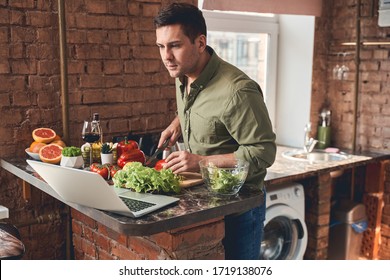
224,179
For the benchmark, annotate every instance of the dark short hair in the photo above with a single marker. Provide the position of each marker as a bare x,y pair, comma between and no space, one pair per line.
188,16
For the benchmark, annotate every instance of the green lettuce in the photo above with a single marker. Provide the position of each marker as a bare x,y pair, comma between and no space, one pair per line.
140,178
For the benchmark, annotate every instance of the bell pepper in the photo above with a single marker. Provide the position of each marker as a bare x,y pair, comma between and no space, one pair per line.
131,155
125,146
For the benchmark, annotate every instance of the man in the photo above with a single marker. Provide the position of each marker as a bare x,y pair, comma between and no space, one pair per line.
221,115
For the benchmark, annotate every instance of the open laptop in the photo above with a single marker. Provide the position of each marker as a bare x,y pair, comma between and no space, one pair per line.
90,189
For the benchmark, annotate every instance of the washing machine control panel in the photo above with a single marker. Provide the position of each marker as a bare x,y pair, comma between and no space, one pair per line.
289,194
298,192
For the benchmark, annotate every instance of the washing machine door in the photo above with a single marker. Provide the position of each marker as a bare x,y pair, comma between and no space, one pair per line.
285,234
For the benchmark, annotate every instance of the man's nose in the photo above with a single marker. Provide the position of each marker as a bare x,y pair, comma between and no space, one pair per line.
166,54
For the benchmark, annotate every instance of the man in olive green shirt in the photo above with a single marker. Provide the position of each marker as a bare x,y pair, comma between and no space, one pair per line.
221,116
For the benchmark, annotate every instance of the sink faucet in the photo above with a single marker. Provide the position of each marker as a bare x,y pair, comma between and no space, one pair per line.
309,142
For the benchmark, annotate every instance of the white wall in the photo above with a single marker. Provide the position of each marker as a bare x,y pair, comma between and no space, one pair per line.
295,61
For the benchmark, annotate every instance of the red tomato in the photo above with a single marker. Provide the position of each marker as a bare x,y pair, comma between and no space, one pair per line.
102,170
114,169
159,164
132,155
125,146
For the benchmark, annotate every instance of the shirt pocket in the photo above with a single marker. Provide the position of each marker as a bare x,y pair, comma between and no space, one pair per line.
208,130
203,130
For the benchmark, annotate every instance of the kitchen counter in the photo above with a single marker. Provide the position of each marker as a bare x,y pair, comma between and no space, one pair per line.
287,170
192,229
196,205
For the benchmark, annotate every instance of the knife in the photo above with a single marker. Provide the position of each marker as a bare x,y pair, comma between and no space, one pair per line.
157,152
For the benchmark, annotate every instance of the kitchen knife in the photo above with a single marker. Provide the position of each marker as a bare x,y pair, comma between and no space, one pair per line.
157,152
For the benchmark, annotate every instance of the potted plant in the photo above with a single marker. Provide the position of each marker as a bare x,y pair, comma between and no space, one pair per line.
71,157
107,152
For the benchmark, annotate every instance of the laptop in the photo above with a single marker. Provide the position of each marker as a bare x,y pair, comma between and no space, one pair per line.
90,189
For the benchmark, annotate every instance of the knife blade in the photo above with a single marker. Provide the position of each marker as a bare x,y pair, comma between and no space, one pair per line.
157,152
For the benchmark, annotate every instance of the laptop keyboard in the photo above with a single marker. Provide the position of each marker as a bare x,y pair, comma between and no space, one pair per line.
136,205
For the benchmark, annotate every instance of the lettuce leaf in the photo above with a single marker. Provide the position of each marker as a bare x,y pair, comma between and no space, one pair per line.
140,178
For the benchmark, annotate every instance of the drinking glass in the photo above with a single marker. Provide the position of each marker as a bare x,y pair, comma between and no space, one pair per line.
91,134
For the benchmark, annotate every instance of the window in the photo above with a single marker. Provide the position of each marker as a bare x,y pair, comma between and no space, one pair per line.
248,41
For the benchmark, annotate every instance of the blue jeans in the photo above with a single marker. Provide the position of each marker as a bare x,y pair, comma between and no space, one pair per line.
243,234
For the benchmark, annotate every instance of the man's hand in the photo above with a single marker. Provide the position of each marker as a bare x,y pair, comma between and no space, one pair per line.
182,161
172,132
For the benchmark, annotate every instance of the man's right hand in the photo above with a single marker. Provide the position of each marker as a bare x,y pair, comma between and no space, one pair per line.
172,132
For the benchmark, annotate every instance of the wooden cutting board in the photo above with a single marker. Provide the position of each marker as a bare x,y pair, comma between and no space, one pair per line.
190,179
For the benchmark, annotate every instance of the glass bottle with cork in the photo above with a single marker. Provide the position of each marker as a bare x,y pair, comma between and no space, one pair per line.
98,144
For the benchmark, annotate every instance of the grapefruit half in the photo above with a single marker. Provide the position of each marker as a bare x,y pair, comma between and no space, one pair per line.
43,135
51,153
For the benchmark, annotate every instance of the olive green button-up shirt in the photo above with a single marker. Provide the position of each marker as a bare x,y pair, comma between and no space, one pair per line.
225,112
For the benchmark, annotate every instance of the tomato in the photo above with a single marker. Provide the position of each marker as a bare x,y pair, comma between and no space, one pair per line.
114,169
125,146
159,164
132,155
102,170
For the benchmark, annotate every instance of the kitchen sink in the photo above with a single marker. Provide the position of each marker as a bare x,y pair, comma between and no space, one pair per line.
315,156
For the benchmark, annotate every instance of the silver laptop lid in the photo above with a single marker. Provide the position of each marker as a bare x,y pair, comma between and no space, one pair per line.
90,189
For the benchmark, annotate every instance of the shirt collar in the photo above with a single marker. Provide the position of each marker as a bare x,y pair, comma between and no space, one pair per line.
208,72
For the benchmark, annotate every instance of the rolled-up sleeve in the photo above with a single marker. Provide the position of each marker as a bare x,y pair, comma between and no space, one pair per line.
247,119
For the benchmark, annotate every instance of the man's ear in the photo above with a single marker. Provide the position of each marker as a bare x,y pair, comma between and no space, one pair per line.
202,43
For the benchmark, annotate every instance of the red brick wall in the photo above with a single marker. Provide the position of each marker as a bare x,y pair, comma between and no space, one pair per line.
94,241
384,249
337,25
29,97
114,69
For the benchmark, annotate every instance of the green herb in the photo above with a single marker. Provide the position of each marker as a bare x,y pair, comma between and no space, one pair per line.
140,178
71,151
107,148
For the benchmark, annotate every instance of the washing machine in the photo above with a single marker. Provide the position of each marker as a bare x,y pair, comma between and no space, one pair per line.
285,231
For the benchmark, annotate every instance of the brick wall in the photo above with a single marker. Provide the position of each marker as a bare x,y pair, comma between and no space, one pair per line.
93,240
384,249
317,213
114,69
29,97
338,25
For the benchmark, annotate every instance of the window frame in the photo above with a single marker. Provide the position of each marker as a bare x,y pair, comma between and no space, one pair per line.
253,23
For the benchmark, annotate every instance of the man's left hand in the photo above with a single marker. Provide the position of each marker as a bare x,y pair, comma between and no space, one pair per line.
182,161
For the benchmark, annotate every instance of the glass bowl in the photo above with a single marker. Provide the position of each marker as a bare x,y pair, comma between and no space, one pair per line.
224,179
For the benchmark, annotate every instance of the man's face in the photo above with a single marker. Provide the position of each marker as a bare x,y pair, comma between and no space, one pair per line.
179,55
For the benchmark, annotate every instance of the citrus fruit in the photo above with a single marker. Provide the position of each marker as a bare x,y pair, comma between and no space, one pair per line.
57,138
36,146
59,142
50,153
43,135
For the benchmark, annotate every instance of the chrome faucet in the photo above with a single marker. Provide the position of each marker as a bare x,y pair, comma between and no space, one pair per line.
309,142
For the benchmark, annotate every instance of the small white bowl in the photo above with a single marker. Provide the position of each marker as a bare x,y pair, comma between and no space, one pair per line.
33,155
74,162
